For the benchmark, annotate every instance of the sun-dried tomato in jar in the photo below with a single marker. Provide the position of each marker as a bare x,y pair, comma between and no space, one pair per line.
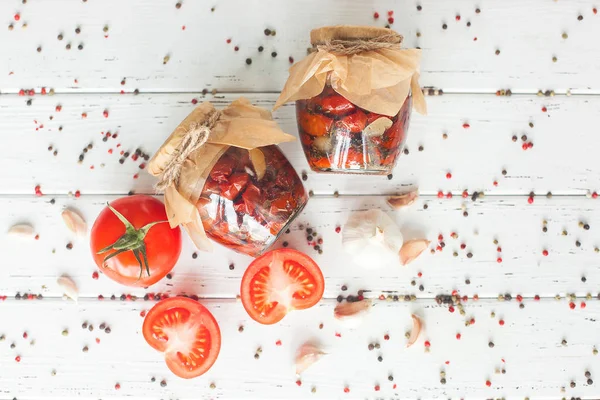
354,96
225,179
246,212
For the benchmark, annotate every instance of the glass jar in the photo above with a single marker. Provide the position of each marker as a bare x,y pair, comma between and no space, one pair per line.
338,136
247,214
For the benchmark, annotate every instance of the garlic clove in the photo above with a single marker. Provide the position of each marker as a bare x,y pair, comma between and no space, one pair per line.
68,287
74,222
416,330
323,143
378,127
350,309
23,231
307,355
257,157
403,200
412,249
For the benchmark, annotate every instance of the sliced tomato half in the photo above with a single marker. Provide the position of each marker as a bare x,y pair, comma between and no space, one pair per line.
186,332
278,282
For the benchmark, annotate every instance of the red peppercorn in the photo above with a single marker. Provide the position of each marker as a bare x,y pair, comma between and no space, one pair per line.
117,386
17,17
21,92
458,17
440,237
338,229
524,146
544,109
390,13
420,274
25,335
495,183
58,108
536,297
77,194
451,309
299,382
291,59
128,297
43,90
458,336
530,200
499,260
377,388
440,195
594,195
391,20
501,322
466,126
582,305
472,321
97,340
463,246
465,298
143,313
427,343
572,305
448,175
376,15
499,249
595,10
337,334
236,48
346,389
278,343
83,115
100,297
194,101
545,253
95,275
488,383
475,297
530,145
465,194
31,92
519,298
105,113
449,195
386,337
18,358
439,248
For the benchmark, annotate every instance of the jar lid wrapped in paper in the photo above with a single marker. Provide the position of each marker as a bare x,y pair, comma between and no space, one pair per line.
364,64
184,161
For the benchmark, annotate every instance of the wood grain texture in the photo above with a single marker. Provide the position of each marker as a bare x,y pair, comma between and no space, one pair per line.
32,267
141,33
563,159
528,347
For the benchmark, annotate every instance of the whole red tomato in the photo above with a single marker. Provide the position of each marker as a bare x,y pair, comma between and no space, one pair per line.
132,242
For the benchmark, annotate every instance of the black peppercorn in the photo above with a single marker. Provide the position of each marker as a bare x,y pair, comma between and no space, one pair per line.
260,49
274,54
248,61
340,298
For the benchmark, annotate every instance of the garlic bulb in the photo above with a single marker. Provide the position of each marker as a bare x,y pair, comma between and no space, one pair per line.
372,238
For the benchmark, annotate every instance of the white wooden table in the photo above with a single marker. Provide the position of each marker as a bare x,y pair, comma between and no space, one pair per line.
542,351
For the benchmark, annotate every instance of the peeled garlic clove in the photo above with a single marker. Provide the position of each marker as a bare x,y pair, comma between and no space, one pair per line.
323,143
23,231
372,238
351,309
412,249
68,287
307,355
257,157
403,200
74,222
416,330
378,127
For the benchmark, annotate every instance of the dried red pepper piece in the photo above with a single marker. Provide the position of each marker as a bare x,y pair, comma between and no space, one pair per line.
355,157
284,202
314,124
335,105
320,163
235,185
355,122
223,169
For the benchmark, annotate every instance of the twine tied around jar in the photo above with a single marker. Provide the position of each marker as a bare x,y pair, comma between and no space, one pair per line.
350,47
196,136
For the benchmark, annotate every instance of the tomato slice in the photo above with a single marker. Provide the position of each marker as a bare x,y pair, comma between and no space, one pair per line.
186,332
278,282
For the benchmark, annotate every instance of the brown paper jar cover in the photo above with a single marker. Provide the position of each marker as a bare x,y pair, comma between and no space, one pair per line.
237,188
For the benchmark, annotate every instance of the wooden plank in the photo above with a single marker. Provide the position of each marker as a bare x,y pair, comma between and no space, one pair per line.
527,34
32,267
563,159
528,347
